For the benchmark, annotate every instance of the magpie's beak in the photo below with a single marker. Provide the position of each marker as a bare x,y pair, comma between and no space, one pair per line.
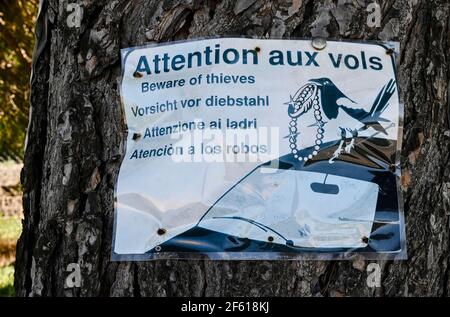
316,81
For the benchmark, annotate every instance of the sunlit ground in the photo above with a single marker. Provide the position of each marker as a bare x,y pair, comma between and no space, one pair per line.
7,281
10,228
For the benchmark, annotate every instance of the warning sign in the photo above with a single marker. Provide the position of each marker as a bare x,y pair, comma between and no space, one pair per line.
248,148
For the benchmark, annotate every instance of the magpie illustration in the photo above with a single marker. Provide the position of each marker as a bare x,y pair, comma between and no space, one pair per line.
328,101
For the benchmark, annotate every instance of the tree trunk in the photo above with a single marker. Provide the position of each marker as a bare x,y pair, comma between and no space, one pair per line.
76,142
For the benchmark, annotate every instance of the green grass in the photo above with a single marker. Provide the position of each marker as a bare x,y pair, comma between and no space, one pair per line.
7,281
10,229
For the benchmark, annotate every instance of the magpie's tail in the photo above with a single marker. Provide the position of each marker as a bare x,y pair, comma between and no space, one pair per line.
382,101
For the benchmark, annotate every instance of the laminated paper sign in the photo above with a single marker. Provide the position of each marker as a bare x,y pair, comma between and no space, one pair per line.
259,149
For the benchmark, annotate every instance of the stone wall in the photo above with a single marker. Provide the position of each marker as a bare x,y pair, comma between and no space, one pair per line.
10,191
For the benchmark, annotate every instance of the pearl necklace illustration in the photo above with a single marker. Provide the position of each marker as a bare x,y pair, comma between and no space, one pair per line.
301,100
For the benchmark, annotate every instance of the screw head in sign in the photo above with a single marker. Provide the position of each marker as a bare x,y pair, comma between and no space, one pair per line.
390,51
319,43
137,74
136,136
161,231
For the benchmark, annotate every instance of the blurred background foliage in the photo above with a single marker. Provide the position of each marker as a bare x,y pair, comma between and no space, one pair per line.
17,19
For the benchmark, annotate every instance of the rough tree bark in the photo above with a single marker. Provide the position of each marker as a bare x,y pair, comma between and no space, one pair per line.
76,134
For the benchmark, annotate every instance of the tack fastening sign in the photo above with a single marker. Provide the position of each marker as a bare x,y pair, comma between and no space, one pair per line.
259,149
